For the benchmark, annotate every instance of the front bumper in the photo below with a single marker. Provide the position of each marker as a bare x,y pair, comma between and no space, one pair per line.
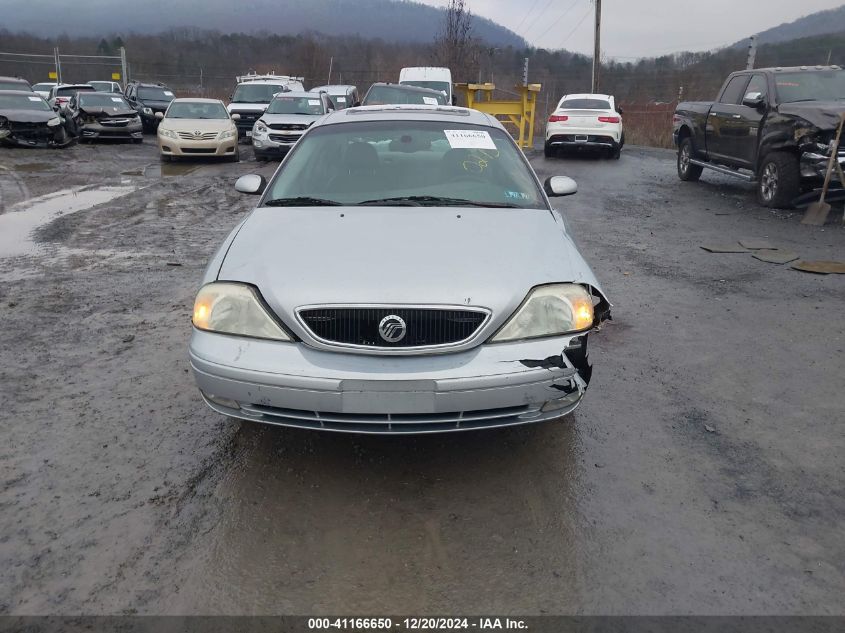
35,135
99,131
266,145
814,164
291,384
182,147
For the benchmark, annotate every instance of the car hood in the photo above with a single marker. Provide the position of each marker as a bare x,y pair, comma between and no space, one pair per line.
489,258
822,114
197,125
28,116
119,110
290,119
247,107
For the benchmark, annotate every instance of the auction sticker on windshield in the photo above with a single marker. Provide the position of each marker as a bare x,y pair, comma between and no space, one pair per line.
429,101
469,139
313,102
34,98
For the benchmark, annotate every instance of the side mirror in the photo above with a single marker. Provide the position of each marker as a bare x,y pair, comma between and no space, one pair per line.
159,115
252,184
753,100
236,117
556,186
231,95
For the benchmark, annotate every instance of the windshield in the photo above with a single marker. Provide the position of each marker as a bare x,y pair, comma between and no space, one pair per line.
104,86
821,85
23,102
256,93
432,163
44,87
584,104
14,85
196,110
383,95
101,100
155,94
72,90
296,105
442,86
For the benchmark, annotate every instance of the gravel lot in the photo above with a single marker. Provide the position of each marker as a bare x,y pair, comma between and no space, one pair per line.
703,474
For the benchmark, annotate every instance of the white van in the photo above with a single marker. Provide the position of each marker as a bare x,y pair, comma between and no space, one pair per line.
429,77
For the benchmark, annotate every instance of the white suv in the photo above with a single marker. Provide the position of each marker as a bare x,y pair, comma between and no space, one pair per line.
254,93
585,121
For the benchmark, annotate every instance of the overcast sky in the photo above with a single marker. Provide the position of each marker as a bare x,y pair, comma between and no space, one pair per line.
637,28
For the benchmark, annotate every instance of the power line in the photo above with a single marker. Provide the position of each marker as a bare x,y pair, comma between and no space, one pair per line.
538,16
525,15
554,24
580,22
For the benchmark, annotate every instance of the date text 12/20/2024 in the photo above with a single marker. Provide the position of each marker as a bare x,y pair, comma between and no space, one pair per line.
416,624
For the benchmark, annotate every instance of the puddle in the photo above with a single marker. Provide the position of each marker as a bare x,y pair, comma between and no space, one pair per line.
17,225
32,167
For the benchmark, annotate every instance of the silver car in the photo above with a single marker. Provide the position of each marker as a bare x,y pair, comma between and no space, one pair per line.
285,120
402,272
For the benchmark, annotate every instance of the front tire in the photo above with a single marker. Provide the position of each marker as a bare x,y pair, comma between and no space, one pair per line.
686,170
779,180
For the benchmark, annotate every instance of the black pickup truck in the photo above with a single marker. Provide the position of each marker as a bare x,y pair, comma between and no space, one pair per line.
772,126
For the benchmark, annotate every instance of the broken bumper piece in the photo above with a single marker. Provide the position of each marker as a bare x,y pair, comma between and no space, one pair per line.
814,164
290,384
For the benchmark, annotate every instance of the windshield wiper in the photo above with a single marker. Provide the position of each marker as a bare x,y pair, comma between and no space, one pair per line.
302,201
434,201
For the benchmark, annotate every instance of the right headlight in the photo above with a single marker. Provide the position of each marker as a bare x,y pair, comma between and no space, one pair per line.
551,310
167,133
148,111
234,308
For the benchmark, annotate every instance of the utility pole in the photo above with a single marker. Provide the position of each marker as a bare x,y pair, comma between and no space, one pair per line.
331,63
752,53
597,49
124,67
58,65
525,73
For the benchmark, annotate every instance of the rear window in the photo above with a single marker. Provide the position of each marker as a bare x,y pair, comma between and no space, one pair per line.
584,104
257,93
384,95
72,90
14,85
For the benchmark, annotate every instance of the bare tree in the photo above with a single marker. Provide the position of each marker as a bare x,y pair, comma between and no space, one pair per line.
454,47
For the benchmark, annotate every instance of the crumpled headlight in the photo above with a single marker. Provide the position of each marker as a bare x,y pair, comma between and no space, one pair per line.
550,310
167,133
147,111
260,128
54,121
234,308
227,134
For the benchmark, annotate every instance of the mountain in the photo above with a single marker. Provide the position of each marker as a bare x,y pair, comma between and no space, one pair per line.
390,20
821,23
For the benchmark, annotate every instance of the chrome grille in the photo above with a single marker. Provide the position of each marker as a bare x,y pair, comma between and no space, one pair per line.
285,138
287,126
203,136
425,327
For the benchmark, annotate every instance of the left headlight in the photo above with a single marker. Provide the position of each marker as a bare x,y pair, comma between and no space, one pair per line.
227,134
233,308
148,111
551,310
54,121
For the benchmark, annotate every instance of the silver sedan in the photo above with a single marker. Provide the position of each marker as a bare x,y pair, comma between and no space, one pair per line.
402,272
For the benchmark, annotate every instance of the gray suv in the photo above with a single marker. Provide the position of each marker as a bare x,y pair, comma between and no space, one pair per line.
285,120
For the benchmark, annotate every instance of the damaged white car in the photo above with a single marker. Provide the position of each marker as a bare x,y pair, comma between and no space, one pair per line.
403,272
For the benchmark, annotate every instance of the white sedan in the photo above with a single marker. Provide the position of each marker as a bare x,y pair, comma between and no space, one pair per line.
585,121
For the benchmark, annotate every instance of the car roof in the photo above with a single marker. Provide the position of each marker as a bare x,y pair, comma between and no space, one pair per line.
410,112
330,87
146,84
196,100
587,96
73,86
17,79
788,69
20,93
407,87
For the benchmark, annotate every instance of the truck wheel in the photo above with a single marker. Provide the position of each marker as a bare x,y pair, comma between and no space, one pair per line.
779,180
686,170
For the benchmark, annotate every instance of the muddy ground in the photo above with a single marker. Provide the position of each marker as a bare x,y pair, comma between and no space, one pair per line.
703,474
